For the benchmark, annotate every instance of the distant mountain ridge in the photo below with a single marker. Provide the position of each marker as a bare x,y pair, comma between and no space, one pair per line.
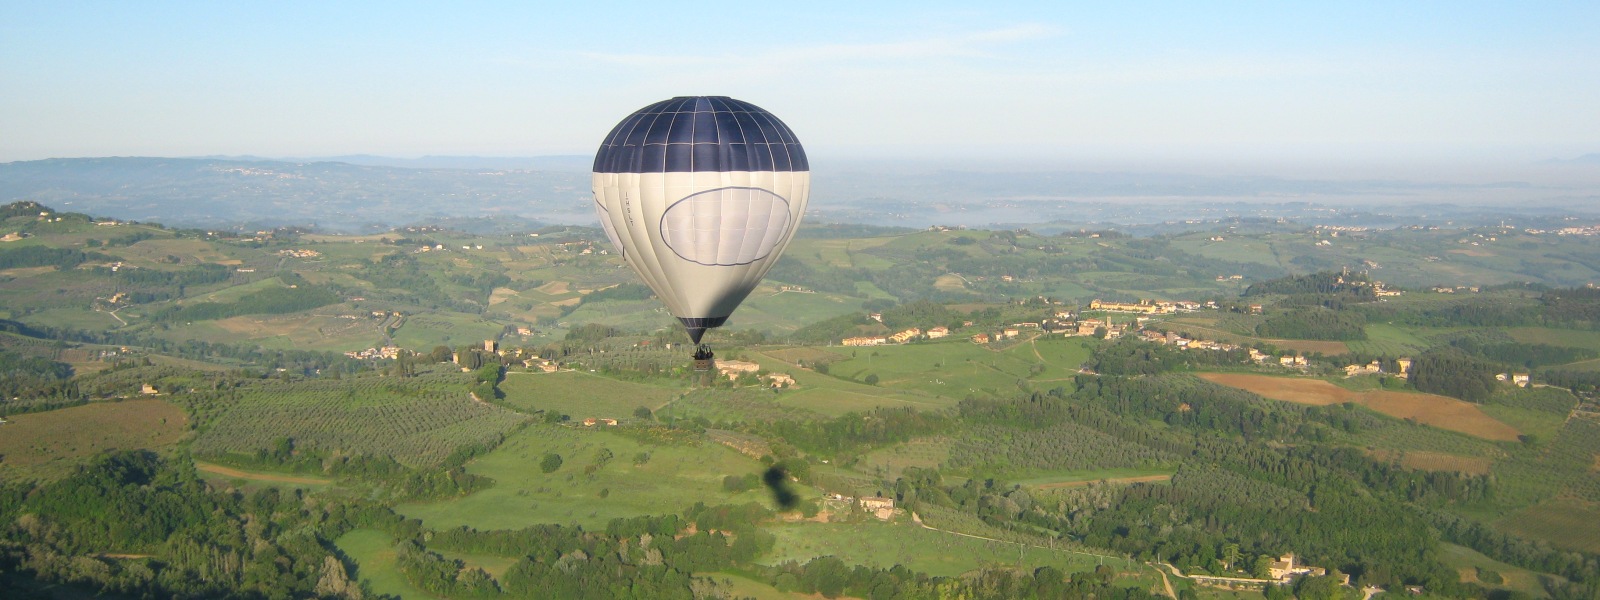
365,193
1587,159
563,162
339,196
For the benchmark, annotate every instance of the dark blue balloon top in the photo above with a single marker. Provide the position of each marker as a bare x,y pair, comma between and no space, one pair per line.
700,133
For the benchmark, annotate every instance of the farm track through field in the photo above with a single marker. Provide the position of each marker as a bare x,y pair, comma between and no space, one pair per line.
1428,409
273,477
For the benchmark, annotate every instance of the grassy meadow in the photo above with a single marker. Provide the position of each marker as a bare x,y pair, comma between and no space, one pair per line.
675,476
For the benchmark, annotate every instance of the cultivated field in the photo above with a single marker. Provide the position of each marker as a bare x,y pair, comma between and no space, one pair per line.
922,453
1567,523
583,395
1429,409
956,367
833,396
49,444
884,545
675,476
417,421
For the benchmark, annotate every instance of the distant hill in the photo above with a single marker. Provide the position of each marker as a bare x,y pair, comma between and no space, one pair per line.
341,196
1587,159
364,193
571,162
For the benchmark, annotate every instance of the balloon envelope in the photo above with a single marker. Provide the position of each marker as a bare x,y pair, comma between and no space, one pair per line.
700,195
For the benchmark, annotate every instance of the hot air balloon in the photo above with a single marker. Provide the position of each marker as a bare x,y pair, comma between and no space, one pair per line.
700,195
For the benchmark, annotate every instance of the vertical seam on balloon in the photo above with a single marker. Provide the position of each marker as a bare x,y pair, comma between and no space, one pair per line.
645,246
744,137
771,153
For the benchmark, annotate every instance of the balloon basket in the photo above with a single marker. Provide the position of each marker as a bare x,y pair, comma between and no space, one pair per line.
704,359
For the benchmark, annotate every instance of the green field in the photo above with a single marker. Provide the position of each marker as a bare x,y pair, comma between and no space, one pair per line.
1468,561
75,318
583,395
922,453
883,545
1575,338
744,587
1530,421
778,313
324,330
833,396
237,292
955,368
676,476
1388,340
1237,249
374,554
416,421
745,404
424,331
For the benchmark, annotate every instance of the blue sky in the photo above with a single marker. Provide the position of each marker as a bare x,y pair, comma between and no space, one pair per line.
1049,81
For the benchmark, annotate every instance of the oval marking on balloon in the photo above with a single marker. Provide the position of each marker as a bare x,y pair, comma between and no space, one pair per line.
702,246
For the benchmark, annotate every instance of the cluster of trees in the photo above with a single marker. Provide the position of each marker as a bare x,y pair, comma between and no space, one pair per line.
624,291
828,331
401,274
1470,312
382,475
43,256
270,301
920,313
1132,356
152,285
854,431
23,208
1453,373
26,375
1522,354
128,239
1314,323
199,542
1575,305
482,282
639,557
1356,286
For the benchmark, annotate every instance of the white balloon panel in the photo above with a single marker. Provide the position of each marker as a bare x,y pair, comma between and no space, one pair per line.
701,240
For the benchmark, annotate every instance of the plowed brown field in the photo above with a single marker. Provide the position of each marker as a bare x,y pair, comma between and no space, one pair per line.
1428,409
